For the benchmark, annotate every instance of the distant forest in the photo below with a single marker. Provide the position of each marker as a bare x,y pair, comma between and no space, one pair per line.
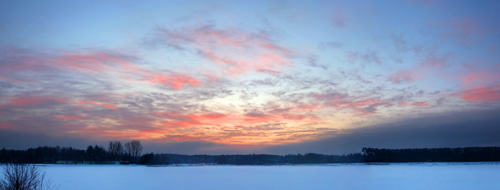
131,153
468,154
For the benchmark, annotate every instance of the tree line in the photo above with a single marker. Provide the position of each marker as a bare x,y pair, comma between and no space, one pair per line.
250,159
131,152
468,154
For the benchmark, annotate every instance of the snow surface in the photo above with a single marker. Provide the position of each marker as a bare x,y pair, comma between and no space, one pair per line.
336,176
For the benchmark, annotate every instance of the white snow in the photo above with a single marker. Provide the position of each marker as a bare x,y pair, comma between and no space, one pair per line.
337,176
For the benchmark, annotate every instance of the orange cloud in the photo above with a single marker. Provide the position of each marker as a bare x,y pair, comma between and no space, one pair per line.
174,81
192,120
181,138
242,129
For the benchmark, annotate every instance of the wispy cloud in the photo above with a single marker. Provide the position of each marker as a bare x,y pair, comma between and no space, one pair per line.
339,18
368,57
235,51
464,29
479,95
103,64
402,76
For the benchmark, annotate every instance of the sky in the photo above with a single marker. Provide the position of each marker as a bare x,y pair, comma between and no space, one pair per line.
279,77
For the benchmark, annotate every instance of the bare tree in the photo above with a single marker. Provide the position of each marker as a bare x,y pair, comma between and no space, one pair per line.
115,149
133,149
24,177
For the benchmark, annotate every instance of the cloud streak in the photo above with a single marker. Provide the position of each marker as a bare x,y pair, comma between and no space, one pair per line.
233,50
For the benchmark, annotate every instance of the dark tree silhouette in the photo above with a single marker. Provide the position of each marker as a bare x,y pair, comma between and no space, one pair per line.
154,159
95,154
133,149
468,154
115,150
24,177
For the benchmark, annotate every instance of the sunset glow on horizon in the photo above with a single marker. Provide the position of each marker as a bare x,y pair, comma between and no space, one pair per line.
241,75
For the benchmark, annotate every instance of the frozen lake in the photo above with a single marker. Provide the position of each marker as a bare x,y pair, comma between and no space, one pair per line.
351,176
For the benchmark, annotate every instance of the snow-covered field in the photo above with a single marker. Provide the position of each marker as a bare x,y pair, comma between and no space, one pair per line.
353,176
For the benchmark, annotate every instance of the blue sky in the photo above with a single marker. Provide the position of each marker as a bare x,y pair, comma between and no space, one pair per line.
219,76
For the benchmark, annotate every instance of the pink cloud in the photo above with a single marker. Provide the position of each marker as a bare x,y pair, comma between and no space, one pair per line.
105,62
192,120
178,120
479,85
481,78
479,95
174,81
207,34
5,125
260,63
95,63
181,138
109,106
15,60
234,51
104,133
420,104
276,48
99,61
29,101
402,76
